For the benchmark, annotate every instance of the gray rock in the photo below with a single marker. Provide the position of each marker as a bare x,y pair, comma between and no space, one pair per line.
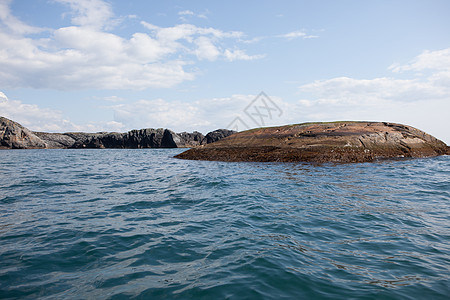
188,139
15,136
218,134
56,140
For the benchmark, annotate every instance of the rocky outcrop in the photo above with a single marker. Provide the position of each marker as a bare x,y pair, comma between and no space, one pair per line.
322,142
56,140
13,135
218,134
146,138
193,139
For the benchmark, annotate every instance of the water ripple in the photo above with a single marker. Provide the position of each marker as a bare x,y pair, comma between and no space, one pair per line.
113,224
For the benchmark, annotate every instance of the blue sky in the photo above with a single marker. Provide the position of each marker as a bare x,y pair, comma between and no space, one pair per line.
69,65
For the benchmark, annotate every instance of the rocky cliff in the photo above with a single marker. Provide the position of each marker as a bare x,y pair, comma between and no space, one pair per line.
322,142
15,136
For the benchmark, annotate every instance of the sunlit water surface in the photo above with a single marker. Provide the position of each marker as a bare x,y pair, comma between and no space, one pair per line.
115,224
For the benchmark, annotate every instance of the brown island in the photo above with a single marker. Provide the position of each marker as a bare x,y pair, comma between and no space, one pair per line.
344,141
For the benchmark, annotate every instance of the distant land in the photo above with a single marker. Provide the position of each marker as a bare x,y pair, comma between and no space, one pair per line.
15,136
343,141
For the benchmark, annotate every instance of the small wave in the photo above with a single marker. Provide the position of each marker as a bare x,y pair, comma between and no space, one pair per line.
139,224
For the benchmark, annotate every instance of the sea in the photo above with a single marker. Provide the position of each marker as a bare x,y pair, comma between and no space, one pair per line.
140,224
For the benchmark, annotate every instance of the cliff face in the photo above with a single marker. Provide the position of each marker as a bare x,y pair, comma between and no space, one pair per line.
322,142
15,136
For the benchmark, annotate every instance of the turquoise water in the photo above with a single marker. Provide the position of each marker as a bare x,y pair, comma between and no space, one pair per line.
119,224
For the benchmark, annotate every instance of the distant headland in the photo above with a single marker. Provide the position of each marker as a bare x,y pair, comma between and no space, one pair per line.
15,136
344,141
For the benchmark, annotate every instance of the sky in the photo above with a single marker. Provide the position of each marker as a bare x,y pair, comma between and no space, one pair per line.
93,65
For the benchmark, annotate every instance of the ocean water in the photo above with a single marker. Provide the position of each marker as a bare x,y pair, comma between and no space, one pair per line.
120,224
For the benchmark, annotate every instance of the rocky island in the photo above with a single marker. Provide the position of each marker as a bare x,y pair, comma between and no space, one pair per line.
345,141
15,136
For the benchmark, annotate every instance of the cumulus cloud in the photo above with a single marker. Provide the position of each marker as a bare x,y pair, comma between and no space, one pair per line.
89,13
12,24
85,55
435,60
206,49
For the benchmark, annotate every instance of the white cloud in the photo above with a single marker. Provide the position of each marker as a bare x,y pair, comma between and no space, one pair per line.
253,40
89,13
353,91
111,99
187,31
30,115
186,13
87,59
85,56
288,36
37,118
238,54
435,60
145,49
202,115
3,97
156,114
297,34
206,49
13,24
91,43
